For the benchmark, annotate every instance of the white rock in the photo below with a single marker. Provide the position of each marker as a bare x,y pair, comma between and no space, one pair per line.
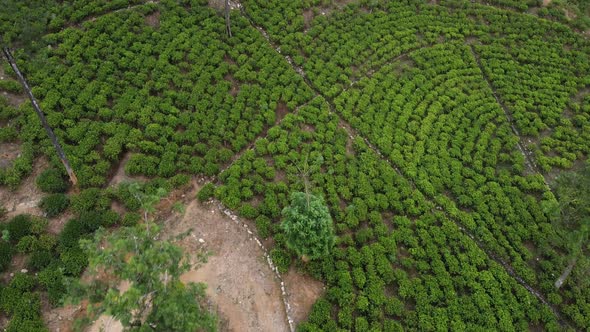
201,241
24,271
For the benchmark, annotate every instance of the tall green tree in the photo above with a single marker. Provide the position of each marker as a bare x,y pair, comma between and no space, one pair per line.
308,226
571,215
150,268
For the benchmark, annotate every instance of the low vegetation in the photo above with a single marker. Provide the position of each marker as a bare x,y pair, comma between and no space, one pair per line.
425,159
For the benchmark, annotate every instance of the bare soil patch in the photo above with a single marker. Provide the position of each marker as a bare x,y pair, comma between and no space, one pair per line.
153,19
308,16
14,99
235,86
27,196
303,291
8,152
61,319
120,176
217,4
546,3
241,287
240,283
280,112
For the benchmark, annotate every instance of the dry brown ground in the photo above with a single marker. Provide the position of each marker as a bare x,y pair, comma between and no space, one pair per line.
8,153
240,283
27,196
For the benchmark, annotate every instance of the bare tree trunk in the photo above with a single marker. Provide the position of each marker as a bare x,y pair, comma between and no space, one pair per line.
559,282
227,18
56,145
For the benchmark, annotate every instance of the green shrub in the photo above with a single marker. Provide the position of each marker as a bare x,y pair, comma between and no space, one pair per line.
10,86
27,244
248,211
263,226
19,227
39,260
19,285
54,204
19,323
93,220
46,242
70,235
179,180
5,255
281,259
320,312
130,219
51,181
123,195
27,314
22,282
52,280
91,199
38,225
206,192
73,261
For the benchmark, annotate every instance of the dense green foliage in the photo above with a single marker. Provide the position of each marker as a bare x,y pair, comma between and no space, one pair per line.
23,22
394,248
307,225
5,255
11,126
52,181
24,305
179,97
441,92
463,111
54,204
573,211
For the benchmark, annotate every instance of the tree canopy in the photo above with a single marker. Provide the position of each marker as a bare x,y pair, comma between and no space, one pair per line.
308,226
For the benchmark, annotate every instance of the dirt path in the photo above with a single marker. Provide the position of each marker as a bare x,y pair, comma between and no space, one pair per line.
239,282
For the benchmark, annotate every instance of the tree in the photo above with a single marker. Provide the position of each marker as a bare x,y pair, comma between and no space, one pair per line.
308,227
572,215
156,299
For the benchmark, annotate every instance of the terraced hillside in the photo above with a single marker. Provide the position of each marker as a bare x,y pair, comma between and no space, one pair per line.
434,131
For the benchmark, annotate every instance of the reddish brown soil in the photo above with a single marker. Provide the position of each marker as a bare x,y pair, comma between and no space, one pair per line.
280,112
239,282
153,19
235,86
303,291
61,319
307,18
120,176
